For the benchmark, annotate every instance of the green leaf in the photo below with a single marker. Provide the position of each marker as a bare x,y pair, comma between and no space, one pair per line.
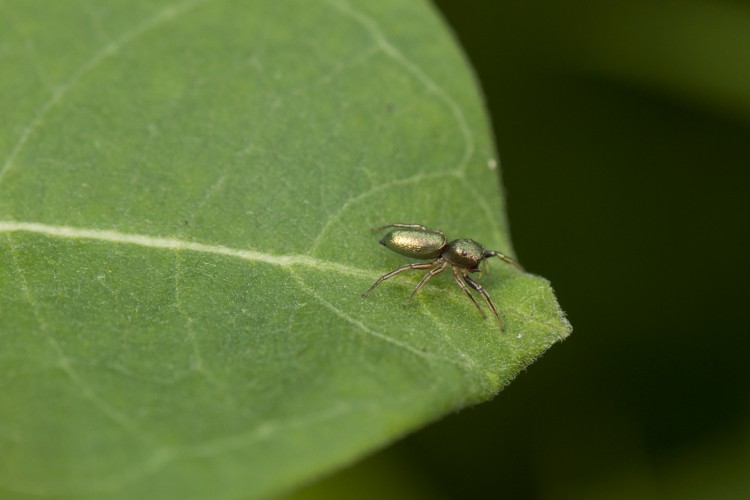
186,196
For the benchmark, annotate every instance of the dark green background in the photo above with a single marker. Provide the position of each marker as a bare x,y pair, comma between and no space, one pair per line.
624,134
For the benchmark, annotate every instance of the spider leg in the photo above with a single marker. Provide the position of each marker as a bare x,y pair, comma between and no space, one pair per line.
407,226
503,257
405,267
437,270
457,275
486,266
476,286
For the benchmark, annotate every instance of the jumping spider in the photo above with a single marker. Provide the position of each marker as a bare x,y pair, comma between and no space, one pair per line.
462,256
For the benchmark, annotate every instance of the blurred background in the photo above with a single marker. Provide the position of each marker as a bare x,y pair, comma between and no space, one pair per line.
624,135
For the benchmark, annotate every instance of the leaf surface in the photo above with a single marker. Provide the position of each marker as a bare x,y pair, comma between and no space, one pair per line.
186,196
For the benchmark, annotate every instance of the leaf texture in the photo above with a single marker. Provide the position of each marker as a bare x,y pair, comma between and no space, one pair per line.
186,196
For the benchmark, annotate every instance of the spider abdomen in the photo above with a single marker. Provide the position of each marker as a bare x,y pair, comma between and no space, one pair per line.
418,244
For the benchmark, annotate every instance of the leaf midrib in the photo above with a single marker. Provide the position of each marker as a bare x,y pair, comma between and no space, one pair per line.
284,261
110,236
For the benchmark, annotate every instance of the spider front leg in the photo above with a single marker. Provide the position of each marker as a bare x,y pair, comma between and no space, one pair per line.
503,257
401,269
476,286
486,266
457,275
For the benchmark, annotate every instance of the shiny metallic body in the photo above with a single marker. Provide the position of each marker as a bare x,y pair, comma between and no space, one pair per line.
462,256
417,244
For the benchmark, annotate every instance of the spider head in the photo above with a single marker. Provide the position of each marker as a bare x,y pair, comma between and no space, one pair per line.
467,254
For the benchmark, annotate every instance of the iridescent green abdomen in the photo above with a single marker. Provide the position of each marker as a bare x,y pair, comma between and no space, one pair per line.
418,244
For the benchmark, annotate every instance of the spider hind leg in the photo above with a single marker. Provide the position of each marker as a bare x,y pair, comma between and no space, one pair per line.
401,269
440,266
